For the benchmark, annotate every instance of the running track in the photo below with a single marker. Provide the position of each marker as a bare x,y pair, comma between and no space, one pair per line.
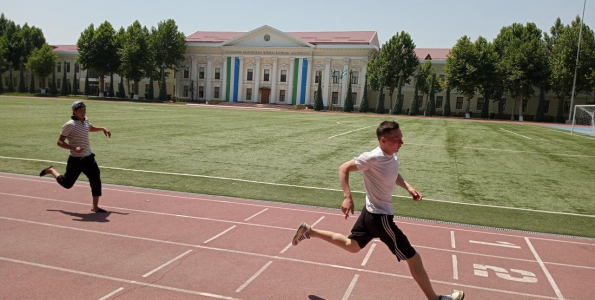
166,245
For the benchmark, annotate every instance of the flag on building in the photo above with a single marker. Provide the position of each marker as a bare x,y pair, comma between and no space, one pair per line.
343,74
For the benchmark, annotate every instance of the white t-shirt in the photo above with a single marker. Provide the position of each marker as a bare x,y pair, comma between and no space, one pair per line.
380,172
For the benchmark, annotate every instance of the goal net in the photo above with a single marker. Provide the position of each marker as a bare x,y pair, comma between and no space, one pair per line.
584,119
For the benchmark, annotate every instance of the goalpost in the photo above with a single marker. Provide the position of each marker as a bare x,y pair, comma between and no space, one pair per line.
584,119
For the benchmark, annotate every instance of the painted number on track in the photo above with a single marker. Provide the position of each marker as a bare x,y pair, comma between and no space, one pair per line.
525,276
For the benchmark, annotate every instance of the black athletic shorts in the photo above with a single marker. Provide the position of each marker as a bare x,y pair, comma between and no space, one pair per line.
369,226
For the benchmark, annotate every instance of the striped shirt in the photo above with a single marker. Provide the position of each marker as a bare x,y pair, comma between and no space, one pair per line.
77,133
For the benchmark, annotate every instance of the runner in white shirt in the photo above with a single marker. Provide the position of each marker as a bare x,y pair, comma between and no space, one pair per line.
81,159
380,170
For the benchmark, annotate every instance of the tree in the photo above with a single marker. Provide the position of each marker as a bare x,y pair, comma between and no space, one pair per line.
446,110
380,101
98,51
42,61
134,52
111,85
318,102
10,81
522,60
151,91
87,87
435,87
169,45
424,81
414,111
75,83
64,86
398,109
364,106
348,107
461,69
121,90
53,87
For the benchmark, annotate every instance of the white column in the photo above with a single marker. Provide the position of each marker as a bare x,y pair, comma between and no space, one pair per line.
224,77
193,69
241,80
274,84
232,81
177,91
345,81
327,82
362,79
290,83
256,77
308,80
208,71
299,85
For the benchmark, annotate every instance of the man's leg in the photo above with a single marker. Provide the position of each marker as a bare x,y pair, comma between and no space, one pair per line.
337,239
416,267
91,169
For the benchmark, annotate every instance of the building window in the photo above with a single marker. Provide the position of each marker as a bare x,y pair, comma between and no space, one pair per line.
354,77
335,75
354,98
185,92
7,81
282,95
201,91
317,77
67,67
459,103
146,88
41,83
249,94
217,73
479,103
106,85
546,106
438,101
250,75
420,100
186,72
283,75
525,103
58,67
335,97
201,73
76,68
216,92
266,74
58,85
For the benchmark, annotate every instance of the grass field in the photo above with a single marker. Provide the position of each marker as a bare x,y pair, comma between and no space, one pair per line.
289,157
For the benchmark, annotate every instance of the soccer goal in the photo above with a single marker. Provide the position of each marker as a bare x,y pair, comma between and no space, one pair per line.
584,119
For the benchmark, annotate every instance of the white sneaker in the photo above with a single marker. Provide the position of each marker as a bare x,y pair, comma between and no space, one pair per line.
458,295
302,233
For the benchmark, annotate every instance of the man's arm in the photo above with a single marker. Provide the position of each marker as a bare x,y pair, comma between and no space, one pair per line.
413,192
105,130
344,170
62,144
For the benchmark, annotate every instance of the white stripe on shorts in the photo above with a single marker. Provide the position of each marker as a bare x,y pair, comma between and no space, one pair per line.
390,232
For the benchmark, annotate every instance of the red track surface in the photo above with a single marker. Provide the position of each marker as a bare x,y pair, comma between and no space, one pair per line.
166,245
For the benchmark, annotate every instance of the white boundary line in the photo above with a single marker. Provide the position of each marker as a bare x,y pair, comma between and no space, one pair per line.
452,239
284,208
167,263
547,273
267,256
290,244
117,279
111,294
368,255
351,287
344,133
316,188
515,133
455,267
254,276
503,150
563,131
222,233
256,214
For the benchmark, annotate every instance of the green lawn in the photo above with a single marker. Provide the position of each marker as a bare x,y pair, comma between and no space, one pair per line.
451,160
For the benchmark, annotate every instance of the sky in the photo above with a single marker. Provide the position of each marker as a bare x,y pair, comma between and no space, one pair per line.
431,23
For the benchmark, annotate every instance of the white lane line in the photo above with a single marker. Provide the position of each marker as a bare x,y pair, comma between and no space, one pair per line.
163,287
290,244
266,226
452,239
515,133
368,255
547,273
455,267
497,244
256,214
344,133
268,257
311,188
350,288
111,294
254,277
222,233
167,263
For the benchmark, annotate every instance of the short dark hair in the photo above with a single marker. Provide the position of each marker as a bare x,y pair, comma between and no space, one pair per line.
385,128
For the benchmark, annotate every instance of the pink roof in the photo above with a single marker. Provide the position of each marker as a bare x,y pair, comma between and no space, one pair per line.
432,53
65,47
329,37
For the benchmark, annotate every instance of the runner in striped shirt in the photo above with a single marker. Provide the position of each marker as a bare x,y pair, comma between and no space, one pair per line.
81,159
